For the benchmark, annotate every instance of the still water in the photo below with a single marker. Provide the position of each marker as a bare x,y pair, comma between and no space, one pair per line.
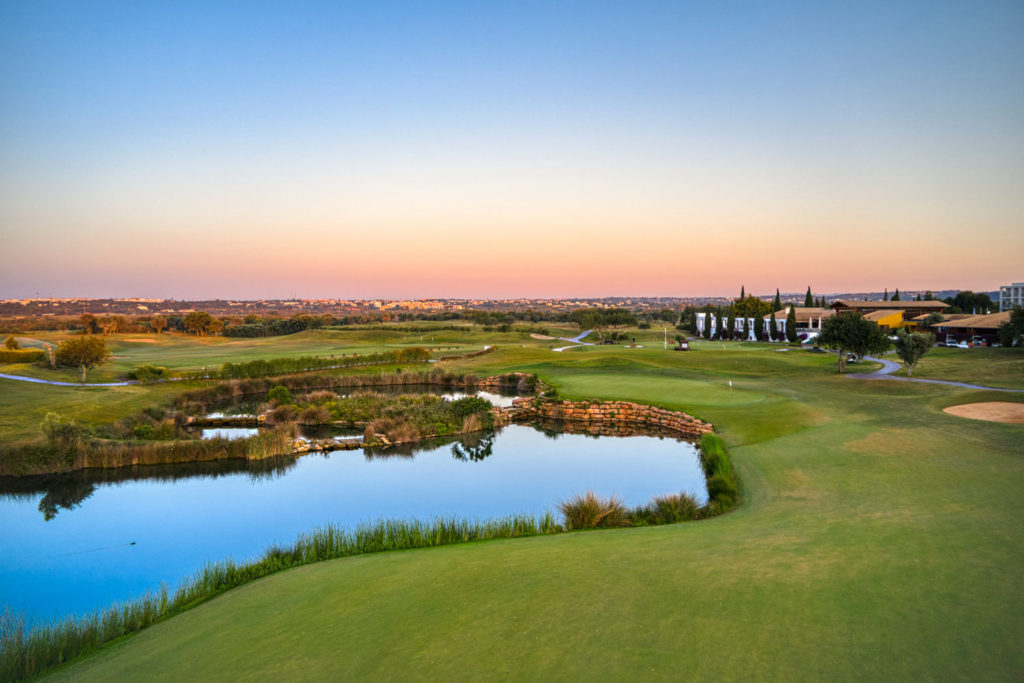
72,544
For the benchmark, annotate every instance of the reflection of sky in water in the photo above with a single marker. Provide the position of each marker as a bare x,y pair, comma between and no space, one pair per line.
229,432
82,558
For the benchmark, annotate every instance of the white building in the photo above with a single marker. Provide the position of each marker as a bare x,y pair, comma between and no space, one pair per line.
1011,295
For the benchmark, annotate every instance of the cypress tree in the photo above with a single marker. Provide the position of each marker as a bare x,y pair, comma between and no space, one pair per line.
778,301
693,321
743,292
809,299
885,297
730,327
706,332
896,296
772,328
746,328
759,326
918,297
791,325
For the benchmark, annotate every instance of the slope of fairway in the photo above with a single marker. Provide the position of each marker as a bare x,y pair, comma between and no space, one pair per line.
879,538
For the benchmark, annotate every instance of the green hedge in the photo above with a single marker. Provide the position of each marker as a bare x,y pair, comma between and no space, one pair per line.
21,355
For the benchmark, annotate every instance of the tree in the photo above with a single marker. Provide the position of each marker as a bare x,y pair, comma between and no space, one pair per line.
11,343
969,302
809,299
198,322
730,324
918,297
852,333
778,300
1011,333
743,292
88,321
896,296
746,329
885,297
911,347
84,352
773,329
158,323
706,332
759,327
791,325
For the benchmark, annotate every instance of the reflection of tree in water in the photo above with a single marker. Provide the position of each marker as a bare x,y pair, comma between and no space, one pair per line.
68,491
64,497
474,450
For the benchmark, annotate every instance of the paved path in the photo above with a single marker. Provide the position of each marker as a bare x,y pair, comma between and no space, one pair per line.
51,382
576,341
889,367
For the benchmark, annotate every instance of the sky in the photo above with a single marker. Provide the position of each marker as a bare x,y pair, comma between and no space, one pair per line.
504,149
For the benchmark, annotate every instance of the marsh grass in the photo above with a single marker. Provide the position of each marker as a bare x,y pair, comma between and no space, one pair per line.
590,511
27,650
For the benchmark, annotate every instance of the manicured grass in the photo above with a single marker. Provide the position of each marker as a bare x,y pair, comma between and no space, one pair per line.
877,538
986,366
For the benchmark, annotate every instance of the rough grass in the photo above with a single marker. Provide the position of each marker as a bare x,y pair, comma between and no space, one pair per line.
878,538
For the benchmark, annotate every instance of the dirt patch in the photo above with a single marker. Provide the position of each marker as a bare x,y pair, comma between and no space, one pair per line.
993,411
142,341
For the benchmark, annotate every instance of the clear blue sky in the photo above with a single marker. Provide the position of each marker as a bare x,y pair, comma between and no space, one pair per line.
498,149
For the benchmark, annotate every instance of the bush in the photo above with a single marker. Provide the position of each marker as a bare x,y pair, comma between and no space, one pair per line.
279,394
591,512
314,415
675,507
150,373
22,355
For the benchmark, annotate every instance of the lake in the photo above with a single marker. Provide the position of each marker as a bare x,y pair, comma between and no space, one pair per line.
73,543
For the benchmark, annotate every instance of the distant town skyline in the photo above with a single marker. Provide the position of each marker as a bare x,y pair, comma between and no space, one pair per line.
494,150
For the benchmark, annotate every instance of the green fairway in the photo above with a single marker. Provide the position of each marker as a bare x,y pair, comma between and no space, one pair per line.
878,538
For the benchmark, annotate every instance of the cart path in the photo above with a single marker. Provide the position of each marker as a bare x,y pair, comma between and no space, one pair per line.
889,367
33,380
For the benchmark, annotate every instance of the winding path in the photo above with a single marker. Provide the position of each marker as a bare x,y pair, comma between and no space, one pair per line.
889,367
576,341
54,383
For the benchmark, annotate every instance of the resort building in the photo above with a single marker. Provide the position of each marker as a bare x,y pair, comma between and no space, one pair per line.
980,330
1011,295
910,309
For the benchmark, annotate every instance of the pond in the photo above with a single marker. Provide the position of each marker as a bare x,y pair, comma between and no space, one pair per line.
73,543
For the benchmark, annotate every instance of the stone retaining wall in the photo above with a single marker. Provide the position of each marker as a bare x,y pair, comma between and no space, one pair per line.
613,413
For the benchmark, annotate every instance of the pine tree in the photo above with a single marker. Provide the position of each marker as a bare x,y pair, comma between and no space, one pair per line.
743,292
791,325
918,297
778,300
896,296
730,326
773,330
885,297
759,326
746,328
809,299
706,332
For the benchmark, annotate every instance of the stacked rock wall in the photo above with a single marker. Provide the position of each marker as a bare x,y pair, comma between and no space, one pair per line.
611,413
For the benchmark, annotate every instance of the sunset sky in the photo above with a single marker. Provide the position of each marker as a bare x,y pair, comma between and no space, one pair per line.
492,149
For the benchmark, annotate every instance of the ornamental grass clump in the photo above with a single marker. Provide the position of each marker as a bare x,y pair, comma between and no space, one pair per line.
589,511
668,509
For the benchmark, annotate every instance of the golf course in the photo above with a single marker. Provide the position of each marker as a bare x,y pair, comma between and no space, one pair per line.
877,537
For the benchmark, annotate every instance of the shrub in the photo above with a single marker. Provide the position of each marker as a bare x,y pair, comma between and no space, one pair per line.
279,394
314,415
150,373
588,511
22,355
675,507
281,414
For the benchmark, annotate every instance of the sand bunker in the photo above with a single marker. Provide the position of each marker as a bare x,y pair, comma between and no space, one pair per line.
540,336
993,411
144,341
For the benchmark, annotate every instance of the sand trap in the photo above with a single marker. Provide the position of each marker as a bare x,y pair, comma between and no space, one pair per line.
993,411
540,336
144,341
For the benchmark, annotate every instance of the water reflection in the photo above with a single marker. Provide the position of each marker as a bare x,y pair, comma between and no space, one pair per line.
75,542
